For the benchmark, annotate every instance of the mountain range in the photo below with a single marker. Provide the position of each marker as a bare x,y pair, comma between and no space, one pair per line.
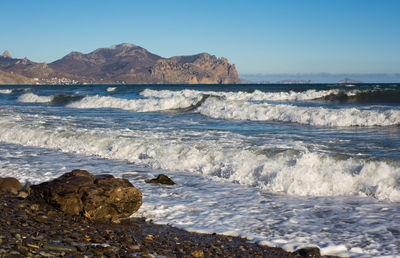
323,77
119,64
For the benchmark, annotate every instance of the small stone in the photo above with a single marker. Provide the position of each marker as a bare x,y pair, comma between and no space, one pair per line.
52,213
135,248
27,188
34,207
81,248
197,253
44,254
41,220
20,205
18,237
32,245
115,220
60,248
24,251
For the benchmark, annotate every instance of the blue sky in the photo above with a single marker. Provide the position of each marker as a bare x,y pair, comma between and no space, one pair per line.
277,36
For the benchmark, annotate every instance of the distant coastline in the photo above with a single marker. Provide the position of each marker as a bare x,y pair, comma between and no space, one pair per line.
130,64
323,78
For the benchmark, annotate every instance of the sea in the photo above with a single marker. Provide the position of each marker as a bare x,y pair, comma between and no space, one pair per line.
282,165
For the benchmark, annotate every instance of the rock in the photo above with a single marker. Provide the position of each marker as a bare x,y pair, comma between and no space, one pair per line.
198,253
25,191
100,197
60,248
22,194
310,252
6,54
161,179
10,184
201,68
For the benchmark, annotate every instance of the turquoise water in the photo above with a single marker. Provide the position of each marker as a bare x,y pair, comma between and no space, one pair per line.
285,165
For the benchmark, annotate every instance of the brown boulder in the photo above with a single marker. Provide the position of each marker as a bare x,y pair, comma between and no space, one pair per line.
101,197
10,184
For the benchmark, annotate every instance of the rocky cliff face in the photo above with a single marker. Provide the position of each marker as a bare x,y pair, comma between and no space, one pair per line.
201,68
126,63
13,78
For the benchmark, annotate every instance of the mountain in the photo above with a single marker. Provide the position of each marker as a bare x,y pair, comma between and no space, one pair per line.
325,77
295,82
125,63
6,54
12,78
29,70
348,80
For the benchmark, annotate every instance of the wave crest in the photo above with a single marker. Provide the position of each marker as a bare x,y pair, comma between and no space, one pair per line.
6,91
33,98
256,95
137,105
59,99
316,116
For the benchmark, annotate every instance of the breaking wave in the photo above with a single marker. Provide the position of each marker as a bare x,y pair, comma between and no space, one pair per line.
6,91
236,106
364,97
257,95
110,89
59,99
316,116
332,95
301,172
33,98
231,106
139,105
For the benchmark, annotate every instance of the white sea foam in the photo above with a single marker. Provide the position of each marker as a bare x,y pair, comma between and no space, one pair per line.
5,91
338,225
300,173
137,105
257,95
237,109
33,98
317,116
109,89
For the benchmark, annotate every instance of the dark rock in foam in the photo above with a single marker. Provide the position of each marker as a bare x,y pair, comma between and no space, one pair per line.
161,179
310,252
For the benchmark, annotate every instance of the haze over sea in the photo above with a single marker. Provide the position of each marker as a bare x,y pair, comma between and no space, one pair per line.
284,165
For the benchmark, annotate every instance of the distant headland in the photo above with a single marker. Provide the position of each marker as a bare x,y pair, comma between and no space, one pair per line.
119,64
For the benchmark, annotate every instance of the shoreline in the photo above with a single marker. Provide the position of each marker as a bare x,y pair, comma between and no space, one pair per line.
31,229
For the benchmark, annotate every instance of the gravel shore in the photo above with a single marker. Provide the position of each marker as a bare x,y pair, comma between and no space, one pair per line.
29,229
